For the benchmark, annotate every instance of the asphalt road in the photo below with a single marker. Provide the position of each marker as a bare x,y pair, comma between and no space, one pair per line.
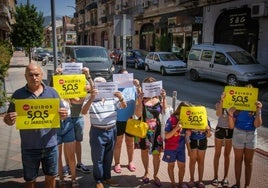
204,92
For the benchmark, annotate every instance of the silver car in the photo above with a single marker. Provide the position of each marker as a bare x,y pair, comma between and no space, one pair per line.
225,63
164,62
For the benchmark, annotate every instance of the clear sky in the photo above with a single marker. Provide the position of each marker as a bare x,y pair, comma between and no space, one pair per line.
61,6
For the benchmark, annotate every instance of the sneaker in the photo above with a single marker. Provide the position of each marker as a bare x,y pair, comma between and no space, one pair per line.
66,170
190,184
201,185
75,184
215,182
111,182
81,167
224,183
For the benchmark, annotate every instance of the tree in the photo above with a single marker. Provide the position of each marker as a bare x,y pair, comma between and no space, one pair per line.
5,56
27,31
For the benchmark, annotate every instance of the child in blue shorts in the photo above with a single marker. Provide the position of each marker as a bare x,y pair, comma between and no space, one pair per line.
175,146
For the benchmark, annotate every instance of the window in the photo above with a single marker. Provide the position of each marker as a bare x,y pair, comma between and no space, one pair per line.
220,58
194,54
207,55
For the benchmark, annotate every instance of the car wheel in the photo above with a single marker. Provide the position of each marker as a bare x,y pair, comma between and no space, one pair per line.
146,68
136,65
163,71
232,80
194,75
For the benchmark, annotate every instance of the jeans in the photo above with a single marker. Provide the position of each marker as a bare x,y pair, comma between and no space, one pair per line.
78,123
102,147
31,159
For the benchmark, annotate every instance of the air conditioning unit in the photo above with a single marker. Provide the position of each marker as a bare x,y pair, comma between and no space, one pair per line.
258,9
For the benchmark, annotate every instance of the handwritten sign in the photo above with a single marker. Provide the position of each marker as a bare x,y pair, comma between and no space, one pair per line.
106,89
70,86
37,113
194,117
72,68
242,98
152,89
123,80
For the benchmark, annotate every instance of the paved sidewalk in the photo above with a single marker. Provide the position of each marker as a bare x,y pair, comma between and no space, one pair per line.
11,175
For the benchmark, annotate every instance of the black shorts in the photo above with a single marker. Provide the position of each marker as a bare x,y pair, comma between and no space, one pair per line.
201,144
223,133
121,128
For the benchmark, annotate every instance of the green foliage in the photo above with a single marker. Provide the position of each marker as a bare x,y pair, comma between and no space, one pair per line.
5,56
162,43
27,31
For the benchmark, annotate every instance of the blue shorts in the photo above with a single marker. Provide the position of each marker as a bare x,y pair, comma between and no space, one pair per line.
66,132
31,159
244,139
174,155
78,123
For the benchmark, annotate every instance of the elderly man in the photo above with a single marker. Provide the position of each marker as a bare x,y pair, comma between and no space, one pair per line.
37,145
103,113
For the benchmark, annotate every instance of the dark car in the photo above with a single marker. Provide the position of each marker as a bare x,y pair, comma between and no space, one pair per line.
96,58
136,58
40,54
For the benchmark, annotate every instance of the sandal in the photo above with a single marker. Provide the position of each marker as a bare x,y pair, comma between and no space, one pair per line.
157,182
215,182
117,169
145,180
131,167
224,183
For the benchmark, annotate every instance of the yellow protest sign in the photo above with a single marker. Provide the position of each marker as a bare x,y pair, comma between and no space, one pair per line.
242,98
193,117
70,86
37,113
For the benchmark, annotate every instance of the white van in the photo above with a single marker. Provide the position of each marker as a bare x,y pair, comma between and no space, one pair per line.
226,63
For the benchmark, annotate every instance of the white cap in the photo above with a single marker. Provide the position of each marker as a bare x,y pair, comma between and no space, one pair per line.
99,79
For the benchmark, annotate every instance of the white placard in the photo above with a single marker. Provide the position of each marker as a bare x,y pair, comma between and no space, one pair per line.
106,89
123,80
152,89
72,68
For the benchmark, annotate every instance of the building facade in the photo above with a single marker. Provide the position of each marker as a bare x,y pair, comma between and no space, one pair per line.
7,8
163,24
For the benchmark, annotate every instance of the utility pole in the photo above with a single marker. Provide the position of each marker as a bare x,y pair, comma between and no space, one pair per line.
55,55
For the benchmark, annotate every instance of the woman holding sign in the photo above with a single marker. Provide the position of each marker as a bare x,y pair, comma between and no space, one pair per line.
150,108
244,124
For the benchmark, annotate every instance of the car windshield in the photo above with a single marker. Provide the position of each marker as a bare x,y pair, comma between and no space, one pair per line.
242,58
91,55
168,57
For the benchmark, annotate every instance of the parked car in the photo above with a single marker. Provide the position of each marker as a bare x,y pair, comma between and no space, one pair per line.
164,62
136,58
225,63
96,58
39,54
